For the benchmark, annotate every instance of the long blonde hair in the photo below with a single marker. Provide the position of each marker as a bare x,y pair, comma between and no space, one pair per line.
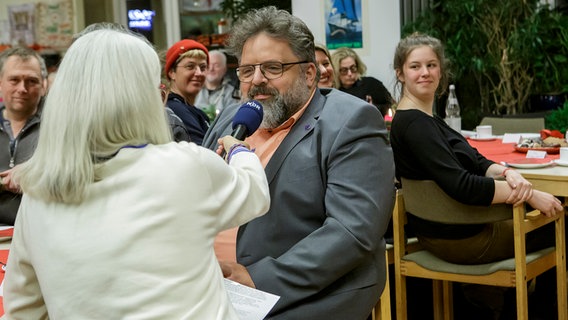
105,96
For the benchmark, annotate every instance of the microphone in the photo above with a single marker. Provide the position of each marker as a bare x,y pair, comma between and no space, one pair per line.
246,120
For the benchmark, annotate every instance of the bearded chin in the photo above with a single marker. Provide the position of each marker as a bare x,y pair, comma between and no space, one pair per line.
280,107
274,112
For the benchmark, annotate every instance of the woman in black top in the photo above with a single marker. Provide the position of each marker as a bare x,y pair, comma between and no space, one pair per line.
349,75
426,148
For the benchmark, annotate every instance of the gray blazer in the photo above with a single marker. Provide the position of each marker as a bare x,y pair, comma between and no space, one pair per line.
320,247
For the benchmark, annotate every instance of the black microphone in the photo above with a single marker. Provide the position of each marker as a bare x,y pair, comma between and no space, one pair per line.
246,120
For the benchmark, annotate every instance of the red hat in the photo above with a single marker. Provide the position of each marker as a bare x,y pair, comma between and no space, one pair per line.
179,48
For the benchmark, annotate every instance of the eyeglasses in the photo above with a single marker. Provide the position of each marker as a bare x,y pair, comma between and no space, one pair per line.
344,71
193,66
270,70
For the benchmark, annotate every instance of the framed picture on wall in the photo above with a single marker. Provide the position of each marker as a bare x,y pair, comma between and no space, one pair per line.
343,24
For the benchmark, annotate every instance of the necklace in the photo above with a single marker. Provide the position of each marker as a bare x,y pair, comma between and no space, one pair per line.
138,146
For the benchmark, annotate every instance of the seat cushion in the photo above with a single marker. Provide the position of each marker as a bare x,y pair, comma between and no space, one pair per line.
431,262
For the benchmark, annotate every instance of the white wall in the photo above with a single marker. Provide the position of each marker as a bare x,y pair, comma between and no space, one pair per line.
381,32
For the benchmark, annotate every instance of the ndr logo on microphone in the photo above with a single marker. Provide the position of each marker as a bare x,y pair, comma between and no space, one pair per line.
253,104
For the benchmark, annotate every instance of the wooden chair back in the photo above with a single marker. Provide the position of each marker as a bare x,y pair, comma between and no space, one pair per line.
421,196
425,199
502,125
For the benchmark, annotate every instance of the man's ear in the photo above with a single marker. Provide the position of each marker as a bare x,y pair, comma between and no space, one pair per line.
44,87
311,72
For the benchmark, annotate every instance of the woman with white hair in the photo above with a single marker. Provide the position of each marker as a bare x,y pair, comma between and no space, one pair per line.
108,227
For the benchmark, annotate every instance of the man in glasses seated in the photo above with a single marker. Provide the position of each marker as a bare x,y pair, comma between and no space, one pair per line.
330,170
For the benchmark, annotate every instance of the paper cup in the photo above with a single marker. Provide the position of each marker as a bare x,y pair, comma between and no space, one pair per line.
564,154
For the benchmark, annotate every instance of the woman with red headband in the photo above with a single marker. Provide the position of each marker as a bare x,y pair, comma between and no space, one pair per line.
186,67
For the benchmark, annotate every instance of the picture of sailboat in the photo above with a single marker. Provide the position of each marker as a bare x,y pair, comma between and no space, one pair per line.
342,18
343,24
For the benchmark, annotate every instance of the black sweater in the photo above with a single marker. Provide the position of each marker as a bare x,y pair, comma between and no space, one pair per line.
369,86
426,148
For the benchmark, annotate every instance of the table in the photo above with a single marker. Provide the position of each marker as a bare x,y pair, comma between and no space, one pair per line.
552,179
6,233
4,250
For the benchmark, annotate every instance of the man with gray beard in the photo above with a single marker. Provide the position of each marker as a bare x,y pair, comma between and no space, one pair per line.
330,169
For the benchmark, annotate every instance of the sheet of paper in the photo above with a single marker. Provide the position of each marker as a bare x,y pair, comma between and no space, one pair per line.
250,304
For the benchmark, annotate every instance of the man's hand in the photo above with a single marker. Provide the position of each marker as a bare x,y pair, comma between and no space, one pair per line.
236,272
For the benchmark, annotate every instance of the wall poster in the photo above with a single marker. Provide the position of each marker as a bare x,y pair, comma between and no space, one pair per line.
343,24
55,24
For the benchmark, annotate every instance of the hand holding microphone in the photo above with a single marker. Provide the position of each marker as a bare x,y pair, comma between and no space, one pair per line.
227,142
246,121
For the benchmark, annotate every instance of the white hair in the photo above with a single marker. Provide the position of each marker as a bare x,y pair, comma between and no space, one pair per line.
105,97
220,55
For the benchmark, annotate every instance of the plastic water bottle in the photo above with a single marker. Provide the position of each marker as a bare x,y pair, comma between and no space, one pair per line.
453,118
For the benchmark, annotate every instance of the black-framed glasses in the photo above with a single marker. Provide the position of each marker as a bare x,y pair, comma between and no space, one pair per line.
270,70
353,69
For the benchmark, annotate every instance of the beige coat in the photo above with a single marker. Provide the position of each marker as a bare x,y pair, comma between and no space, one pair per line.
141,245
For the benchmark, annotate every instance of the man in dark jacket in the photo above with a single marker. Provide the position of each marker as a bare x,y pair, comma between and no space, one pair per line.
23,83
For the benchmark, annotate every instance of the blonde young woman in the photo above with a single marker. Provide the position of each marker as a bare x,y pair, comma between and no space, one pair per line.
108,227
426,148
